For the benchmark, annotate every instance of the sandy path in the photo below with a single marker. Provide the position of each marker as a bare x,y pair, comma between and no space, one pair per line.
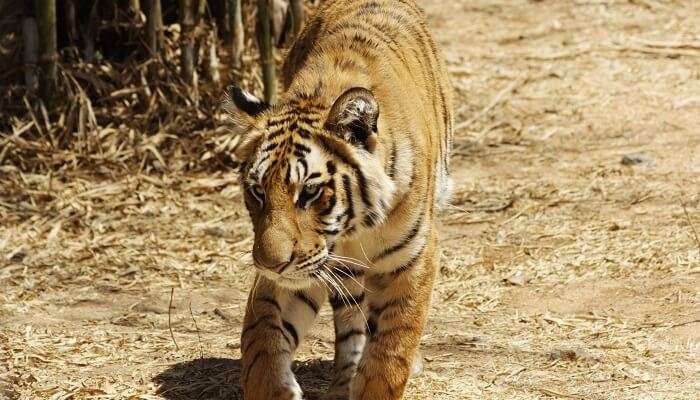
566,273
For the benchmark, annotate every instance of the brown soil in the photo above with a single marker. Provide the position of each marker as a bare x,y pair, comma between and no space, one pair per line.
566,274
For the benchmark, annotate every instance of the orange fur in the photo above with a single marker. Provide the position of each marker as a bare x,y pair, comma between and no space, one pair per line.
343,180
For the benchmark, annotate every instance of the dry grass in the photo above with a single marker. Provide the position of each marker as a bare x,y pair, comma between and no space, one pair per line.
566,275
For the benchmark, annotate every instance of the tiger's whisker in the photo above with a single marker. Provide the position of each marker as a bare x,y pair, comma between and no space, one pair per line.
349,275
348,260
359,308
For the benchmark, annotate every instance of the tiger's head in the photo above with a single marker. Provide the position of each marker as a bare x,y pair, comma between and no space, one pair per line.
312,176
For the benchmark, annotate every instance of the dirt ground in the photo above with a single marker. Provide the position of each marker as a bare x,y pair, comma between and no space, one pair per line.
571,265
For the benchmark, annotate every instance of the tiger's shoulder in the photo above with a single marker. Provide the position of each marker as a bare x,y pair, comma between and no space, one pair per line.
385,46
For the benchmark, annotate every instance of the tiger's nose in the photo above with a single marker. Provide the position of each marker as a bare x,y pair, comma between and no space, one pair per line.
274,256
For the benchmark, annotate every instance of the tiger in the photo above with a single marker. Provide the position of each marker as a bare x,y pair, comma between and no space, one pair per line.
343,178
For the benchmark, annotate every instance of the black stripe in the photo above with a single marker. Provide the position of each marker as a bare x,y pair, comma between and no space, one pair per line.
409,264
255,324
277,132
336,302
330,167
280,119
263,159
347,335
345,64
273,327
301,131
350,212
371,326
371,218
397,302
313,175
308,119
328,146
339,301
301,147
360,35
392,166
404,241
308,301
271,146
348,272
271,301
292,331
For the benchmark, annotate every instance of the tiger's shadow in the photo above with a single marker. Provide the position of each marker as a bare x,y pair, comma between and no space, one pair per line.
218,378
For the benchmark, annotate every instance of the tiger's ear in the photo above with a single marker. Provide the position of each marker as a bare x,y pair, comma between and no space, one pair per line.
243,101
353,118
243,107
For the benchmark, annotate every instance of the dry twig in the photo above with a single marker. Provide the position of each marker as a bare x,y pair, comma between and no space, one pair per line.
199,335
170,327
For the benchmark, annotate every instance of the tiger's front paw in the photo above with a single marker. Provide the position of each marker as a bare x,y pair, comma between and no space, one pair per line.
287,393
376,382
277,392
283,388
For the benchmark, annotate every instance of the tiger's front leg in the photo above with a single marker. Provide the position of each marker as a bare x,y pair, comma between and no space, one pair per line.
350,331
398,303
276,321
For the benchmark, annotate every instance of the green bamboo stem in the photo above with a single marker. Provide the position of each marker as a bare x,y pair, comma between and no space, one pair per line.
187,19
48,56
235,22
154,27
297,12
267,50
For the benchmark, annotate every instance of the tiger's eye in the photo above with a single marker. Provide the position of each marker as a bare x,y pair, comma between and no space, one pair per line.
309,194
257,192
311,190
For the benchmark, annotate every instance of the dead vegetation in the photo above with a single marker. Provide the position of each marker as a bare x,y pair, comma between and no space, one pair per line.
567,274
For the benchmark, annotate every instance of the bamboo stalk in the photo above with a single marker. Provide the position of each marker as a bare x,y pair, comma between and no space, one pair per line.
235,21
297,12
213,65
30,37
91,32
135,6
154,27
187,18
201,10
71,24
267,50
48,56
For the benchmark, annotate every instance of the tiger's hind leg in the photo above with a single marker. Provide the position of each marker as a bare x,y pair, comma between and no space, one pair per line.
276,321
